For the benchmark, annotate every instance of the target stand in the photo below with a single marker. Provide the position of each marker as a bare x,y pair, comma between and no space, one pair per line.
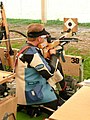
70,23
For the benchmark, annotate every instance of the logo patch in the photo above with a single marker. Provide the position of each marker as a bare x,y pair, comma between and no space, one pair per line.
40,66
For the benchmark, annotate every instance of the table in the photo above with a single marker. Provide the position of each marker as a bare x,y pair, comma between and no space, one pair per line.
76,108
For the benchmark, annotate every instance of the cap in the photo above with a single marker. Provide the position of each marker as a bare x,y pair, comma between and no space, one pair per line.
36,30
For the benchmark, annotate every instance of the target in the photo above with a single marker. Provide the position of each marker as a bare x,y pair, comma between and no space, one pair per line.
70,23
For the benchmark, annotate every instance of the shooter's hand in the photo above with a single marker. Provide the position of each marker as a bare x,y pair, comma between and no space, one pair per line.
52,51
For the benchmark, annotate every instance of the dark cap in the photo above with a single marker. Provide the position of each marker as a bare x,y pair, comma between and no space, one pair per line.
36,30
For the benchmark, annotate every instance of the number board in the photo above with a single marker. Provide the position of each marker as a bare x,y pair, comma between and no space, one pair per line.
73,65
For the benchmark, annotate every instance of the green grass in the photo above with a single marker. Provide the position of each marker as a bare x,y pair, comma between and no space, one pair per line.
87,68
18,45
22,21
84,25
85,57
24,116
49,22
29,21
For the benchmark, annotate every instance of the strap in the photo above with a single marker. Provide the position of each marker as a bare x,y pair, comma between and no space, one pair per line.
21,51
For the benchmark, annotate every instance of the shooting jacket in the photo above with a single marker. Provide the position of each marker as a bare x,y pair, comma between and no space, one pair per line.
32,73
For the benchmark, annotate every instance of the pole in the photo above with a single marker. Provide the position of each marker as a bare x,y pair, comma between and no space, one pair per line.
43,11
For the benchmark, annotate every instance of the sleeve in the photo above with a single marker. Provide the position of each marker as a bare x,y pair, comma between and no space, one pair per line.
42,66
45,68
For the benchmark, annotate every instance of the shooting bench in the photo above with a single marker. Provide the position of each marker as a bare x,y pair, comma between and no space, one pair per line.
76,108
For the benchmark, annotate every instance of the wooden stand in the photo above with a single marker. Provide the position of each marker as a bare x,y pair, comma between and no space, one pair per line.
73,66
8,106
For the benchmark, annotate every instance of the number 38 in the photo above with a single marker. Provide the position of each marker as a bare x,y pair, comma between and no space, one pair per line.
75,60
